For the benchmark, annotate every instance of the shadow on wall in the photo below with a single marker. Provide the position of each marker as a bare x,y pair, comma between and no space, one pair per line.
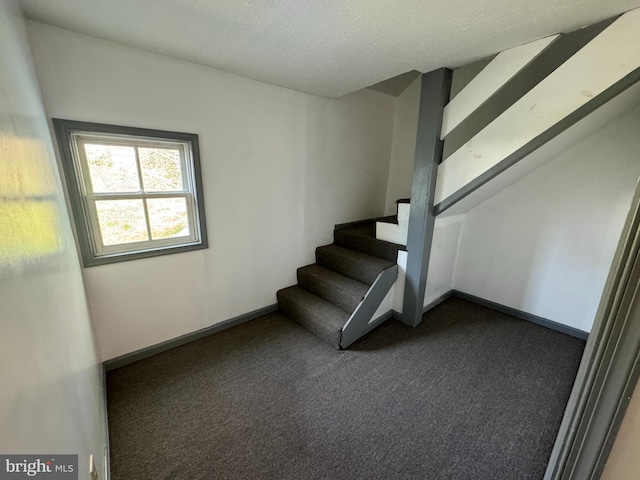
544,245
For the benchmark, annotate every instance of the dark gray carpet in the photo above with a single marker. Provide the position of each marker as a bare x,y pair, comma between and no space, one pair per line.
315,314
330,290
469,394
342,291
352,263
362,237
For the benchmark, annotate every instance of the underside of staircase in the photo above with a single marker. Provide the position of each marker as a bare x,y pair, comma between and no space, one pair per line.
331,290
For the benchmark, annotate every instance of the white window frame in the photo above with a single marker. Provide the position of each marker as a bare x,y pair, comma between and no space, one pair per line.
72,136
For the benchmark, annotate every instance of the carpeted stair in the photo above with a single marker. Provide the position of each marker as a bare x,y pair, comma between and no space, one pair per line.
362,237
330,290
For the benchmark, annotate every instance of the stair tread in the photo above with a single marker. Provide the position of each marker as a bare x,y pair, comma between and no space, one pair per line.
357,265
362,238
336,288
389,219
312,312
367,231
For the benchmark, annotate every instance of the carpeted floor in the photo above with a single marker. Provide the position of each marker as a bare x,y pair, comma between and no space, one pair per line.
469,394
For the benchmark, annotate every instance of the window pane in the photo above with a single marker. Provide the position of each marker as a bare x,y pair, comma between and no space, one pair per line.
121,221
168,217
161,169
112,168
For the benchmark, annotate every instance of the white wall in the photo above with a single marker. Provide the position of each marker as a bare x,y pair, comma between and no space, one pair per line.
544,245
51,397
445,247
405,130
280,169
442,265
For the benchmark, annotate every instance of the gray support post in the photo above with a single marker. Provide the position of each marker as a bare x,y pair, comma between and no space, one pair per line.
434,95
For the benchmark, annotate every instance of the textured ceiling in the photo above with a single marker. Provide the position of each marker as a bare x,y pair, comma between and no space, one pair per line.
329,47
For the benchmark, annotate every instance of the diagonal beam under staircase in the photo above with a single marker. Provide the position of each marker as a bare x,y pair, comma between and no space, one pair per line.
558,52
434,95
546,136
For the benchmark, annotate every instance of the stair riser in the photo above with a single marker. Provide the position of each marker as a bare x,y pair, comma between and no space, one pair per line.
347,301
403,212
368,246
353,269
302,315
390,232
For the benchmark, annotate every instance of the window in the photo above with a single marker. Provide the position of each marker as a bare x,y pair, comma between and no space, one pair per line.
134,192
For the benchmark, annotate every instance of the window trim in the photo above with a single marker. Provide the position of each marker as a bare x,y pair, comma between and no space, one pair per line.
66,133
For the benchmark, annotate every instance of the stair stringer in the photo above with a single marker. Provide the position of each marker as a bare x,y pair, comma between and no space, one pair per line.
361,321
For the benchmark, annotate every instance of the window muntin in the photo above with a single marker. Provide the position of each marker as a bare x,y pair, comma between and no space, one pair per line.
136,194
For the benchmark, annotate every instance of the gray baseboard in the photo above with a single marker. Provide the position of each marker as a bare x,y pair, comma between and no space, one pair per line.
544,322
437,301
128,358
379,321
529,317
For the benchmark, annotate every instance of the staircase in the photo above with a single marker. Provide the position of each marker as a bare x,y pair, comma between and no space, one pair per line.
525,106
524,99
336,297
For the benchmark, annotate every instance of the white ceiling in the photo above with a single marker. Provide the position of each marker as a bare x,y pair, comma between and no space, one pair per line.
328,47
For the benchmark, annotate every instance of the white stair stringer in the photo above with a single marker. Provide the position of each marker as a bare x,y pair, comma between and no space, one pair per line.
500,70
